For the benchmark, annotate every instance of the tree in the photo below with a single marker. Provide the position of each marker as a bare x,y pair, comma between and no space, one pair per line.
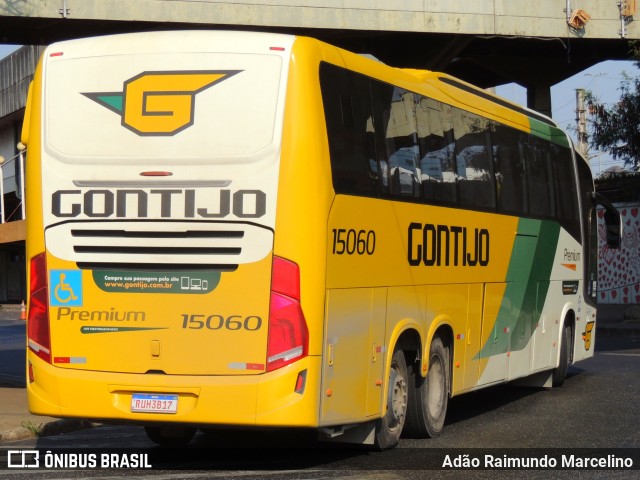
616,129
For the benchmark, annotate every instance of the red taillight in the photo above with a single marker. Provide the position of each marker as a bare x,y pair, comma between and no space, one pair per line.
285,278
38,321
288,334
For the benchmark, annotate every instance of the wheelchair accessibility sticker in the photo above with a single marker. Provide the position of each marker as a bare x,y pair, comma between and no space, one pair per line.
65,288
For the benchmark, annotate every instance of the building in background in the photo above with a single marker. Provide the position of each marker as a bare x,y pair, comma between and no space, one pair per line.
619,269
16,72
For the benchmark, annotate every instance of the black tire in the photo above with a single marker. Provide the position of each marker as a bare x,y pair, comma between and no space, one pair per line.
429,396
389,428
170,436
560,372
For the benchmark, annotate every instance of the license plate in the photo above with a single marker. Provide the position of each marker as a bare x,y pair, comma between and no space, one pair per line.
152,403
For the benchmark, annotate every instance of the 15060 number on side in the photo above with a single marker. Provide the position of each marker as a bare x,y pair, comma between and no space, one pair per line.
353,242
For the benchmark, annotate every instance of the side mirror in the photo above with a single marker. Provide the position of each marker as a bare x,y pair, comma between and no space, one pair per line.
612,221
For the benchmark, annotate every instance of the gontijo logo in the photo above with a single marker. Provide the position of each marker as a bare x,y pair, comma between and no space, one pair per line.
159,103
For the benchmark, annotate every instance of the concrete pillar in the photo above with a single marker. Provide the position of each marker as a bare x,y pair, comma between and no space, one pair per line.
539,98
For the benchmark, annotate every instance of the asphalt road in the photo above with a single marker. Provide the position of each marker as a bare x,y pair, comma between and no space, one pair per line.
597,408
12,356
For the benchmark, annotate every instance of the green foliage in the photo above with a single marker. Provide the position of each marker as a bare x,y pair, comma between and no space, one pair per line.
36,430
616,128
619,186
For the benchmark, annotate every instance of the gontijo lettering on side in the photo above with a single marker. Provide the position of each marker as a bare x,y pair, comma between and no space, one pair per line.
447,245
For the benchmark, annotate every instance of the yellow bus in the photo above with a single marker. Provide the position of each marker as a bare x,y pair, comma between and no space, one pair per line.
261,230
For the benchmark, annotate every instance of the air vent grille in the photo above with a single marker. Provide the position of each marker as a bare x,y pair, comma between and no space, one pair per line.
159,242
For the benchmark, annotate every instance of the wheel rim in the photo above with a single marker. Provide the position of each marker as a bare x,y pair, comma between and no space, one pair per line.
436,387
399,397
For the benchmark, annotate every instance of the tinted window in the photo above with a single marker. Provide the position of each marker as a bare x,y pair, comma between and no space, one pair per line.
436,144
589,230
347,108
390,141
396,138
539,180
511,185
566,194
473,162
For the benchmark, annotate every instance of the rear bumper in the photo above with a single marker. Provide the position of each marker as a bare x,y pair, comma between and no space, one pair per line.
268,399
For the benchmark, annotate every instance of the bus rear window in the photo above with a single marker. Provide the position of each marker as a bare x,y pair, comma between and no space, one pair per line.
193,106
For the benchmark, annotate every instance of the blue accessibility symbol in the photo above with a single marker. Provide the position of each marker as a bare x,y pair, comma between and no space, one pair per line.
65,288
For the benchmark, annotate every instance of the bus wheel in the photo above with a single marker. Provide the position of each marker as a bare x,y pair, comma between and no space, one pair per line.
170,436
389,427
430,396
560,372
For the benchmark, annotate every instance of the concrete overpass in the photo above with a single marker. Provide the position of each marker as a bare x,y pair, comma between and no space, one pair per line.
487,42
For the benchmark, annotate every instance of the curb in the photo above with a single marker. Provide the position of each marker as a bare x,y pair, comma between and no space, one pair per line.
56,427
10,307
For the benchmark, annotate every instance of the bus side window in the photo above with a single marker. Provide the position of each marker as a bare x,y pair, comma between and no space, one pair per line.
566,194
473,163
397,137
539,181
348,116
436,145
511,187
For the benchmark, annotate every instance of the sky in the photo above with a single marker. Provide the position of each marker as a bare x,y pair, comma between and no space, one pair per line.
603,80
7,49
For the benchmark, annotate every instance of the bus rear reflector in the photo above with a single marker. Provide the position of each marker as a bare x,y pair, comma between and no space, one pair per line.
288,333
38,336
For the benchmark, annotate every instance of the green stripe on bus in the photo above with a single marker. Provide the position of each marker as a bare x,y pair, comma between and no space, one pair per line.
527,286
548,132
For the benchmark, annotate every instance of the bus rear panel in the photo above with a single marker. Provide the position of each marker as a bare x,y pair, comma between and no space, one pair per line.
153,279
